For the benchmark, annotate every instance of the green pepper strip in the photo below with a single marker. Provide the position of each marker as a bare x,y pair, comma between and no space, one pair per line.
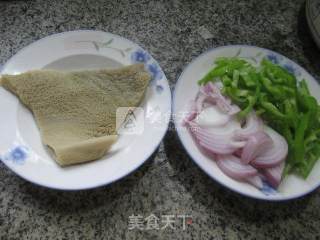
221,70
269,107
298,143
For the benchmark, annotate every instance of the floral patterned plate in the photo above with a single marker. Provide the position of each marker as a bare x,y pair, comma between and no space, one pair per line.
186,90
21,148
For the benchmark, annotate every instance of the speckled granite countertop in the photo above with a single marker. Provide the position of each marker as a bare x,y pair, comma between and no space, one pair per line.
169,183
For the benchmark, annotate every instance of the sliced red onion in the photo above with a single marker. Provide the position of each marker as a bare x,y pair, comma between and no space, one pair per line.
221,140
273,175
234,110
213,132
192,112
234,168
223,103
213,148
273,154
213,93
255,181
216,143
211,117
200,101
259,146
253,124
238,153
207,89
256,144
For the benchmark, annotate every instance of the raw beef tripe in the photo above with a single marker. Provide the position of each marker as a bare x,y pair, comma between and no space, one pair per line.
76,111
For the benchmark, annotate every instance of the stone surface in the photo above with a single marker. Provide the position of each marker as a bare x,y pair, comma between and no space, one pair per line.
169,183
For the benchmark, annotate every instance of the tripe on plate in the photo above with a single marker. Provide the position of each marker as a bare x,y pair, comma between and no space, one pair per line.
76,111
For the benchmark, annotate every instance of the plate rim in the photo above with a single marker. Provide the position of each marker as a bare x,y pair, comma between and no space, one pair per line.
178,82
145,158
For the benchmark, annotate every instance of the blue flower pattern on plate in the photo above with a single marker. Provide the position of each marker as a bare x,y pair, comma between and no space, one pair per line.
159,89
267,189
155,71
273,58
276,59
17,155
289,68
140,56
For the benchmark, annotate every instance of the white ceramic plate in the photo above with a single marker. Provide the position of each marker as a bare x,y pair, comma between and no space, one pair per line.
186,90
21,148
